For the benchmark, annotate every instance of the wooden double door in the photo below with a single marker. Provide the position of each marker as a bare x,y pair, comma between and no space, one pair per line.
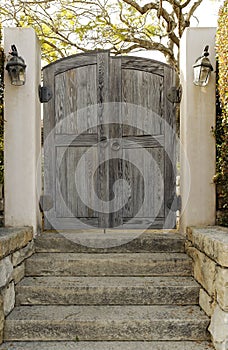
109,143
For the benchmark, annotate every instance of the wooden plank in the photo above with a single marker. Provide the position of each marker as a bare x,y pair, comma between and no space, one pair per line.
75,101
76,140
170,147
155,87
142,97
143,64
144,172
86,99
143,223
71,62
115,133
59,100
132,97
49,151
103,132
74,223
145,141
68,201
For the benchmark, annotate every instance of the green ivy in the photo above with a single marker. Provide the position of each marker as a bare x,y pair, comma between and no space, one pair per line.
1,109
221,132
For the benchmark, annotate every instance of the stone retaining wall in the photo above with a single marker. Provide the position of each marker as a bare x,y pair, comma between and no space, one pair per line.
16,245
208,246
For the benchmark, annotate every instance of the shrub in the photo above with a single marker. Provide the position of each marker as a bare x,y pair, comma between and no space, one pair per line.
221,132
1,109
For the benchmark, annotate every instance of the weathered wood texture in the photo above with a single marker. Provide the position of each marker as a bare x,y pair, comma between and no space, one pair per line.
107,136
103,133
170,148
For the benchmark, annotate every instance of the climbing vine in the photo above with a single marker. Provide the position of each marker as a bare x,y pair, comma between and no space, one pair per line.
1,108
221,132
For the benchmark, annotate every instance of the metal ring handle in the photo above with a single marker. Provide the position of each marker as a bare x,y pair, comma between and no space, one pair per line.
115,146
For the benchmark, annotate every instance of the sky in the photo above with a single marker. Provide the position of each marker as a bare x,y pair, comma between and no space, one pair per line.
207,13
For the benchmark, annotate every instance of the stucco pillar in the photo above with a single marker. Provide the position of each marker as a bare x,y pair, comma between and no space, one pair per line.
22,181
197,118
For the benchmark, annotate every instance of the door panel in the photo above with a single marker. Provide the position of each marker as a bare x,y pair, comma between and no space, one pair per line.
144,171
67,185
142,96
75,90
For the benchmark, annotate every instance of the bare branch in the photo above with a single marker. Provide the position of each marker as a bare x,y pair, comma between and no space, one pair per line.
126,50
192,10
164,14
186,3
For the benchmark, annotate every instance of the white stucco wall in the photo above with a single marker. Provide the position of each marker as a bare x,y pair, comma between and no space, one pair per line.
22,134
197,111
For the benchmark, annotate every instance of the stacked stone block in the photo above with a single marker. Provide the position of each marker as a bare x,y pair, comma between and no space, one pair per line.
16,245
208,246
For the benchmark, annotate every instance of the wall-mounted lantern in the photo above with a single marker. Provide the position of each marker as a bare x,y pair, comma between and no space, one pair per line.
16,68
202,69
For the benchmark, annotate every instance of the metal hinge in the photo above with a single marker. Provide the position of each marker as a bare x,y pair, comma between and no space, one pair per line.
46,203
174,203
45,94
174,94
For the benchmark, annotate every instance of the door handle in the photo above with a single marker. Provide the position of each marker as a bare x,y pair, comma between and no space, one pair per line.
103,141
103,138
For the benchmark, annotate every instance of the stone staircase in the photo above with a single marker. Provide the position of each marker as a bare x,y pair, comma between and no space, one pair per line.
135,296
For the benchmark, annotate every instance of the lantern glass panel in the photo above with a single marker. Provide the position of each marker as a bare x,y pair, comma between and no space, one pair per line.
201,75
204,76
196,74
17,76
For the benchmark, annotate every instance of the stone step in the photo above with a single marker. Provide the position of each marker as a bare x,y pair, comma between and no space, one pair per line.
106,323
114,264
107,290
156,345
112,242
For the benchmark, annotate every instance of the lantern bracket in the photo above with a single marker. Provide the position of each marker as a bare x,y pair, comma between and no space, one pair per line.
174,94
45,94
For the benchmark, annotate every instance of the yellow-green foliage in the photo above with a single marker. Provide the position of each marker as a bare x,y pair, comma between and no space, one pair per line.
1,107
222,117
1,75
222,49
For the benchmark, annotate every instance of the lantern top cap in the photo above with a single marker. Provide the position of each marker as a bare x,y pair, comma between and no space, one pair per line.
206,53
15,60
14,51
203,60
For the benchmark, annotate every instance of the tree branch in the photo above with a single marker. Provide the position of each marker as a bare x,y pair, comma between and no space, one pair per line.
152,45
164,14
192,10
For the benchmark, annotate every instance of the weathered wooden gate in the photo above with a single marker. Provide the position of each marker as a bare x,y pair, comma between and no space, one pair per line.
109,143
